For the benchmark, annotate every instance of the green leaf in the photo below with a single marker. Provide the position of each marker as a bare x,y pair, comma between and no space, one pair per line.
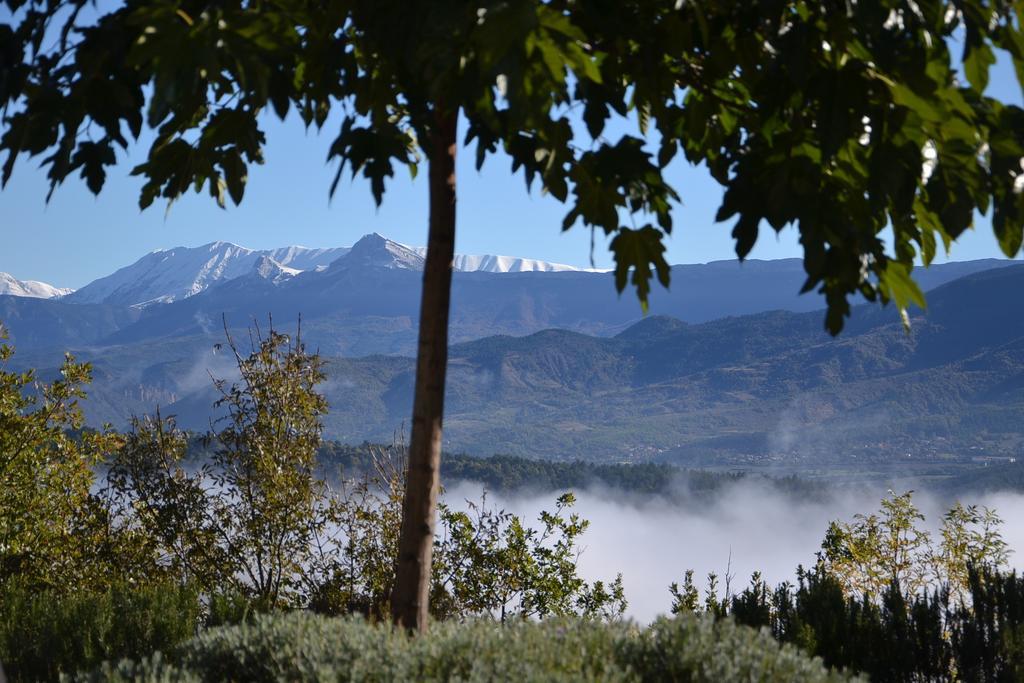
895,283
91,157
1009,232
745,234
636,251
218,189
977,60
236,174
1013,42
903,95
553,59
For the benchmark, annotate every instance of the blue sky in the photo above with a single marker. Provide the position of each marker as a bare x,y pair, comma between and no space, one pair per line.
78,237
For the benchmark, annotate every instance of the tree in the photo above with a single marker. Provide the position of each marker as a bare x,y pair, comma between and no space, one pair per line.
878,550
51,530
842,119
888,548
970,541
486,562
251,519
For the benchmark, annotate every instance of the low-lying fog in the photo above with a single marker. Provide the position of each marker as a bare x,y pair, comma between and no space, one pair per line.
652,541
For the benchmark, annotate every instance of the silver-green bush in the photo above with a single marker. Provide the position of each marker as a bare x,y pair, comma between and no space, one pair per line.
306,647
701,648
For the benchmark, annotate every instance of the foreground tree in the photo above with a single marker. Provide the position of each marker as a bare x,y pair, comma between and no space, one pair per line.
486,562
52,528
839,118
877,550
248,519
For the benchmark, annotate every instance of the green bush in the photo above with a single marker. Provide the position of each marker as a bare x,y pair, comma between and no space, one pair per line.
307,647
701,648
46,633
154,669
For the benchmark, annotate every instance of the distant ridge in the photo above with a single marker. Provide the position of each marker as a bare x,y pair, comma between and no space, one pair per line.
169,275
31,288
768,388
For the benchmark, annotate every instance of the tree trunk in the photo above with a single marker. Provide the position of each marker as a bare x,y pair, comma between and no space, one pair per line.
410,599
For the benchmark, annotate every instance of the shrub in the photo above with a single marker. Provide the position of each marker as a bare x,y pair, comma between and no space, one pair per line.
703,648
307,647
885,601
155,669
46,633
257,529
50,531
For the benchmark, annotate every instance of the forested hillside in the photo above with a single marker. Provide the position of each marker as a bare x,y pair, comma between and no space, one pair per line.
766,389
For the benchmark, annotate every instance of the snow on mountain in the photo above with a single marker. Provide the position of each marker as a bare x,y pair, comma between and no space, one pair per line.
269,269
305,258
377,251
169,275
507,264
32,288
491,263
172,274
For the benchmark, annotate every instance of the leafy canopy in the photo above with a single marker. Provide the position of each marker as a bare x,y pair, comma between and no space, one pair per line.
879,549
256,521
52,527
838,117
249,518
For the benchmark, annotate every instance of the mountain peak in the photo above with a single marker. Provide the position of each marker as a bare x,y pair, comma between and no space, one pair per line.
269,269
220,245
31,288
376,251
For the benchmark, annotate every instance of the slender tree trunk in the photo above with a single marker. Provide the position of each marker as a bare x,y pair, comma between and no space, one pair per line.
410,600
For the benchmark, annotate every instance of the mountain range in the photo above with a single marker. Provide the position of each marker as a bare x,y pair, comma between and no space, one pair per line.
169,275
732,368
11,286
365,299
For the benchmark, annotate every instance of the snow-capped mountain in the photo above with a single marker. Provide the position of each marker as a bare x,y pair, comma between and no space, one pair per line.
269,269
173,274
39,290
377,251
507,264
492,263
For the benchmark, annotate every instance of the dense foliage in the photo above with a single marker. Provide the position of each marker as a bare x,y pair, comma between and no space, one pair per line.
249,518
880,549
302,647
849,117
884,601
246,513
53,530
189,533
895,636
241,524
46,632
486,562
